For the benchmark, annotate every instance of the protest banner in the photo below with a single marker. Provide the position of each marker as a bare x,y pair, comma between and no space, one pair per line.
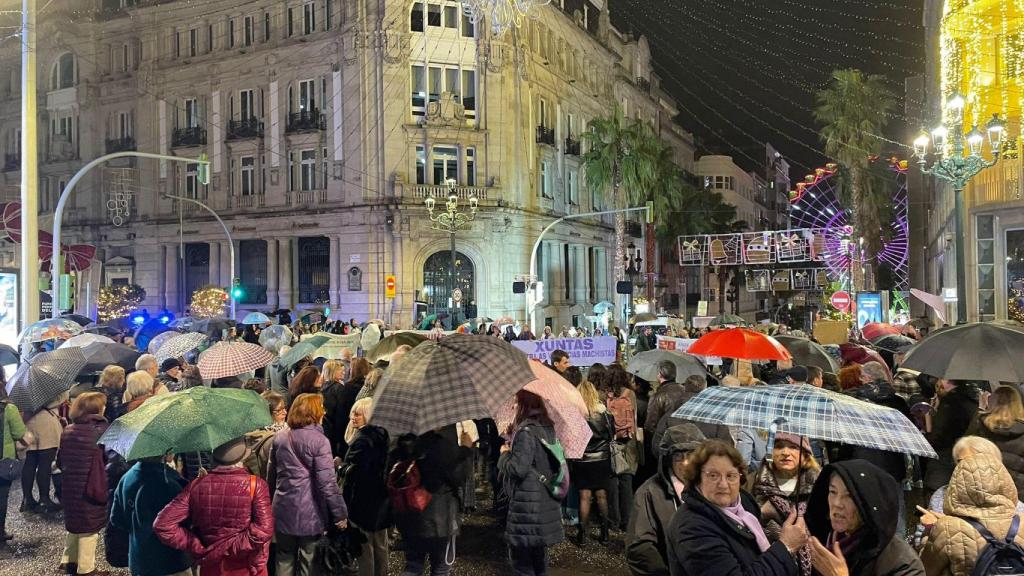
582,351
681,345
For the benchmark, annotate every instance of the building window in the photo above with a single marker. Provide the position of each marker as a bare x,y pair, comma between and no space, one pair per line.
434,15
421,165
572,188
252,271
193,42
461,82
451,17
323,161
192,180
191,113
246,104
248,31
446,164
291,22
542,112
197,267
468,28
470,166
308,171
308,18
263,174
416,17
328,14
177,44
307,95
468,91
125,58
266,26
419,91
124,125
247,176
231,33
314,270
63,72
545,179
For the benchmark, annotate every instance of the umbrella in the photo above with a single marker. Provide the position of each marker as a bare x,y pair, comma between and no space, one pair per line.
371,336
986,352
428,321
305,348
934,301
43,377
875,330
160,339
99,355
565,407
386,347
179,345
81,320
808,353
504,320
728,320
808,411
232,358
645,365
461,377
84,339
105,329
274,337
194,420
50,329
642,317
212,326
182,323
893,342
147,332
312,317
857,354
255,318
739,343
603,306
8,355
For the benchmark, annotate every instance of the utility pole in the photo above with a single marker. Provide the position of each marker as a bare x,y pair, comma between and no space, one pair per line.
30,173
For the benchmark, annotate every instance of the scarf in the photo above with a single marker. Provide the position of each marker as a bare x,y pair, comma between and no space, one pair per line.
738,513
768,487
677,487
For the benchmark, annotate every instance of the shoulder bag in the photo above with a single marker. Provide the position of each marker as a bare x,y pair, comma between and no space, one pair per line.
10,468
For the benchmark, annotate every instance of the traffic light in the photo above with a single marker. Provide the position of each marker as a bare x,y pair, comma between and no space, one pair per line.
203,170
237,291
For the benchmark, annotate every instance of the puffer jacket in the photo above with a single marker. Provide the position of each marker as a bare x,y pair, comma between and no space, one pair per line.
654,504
1010,442
306,496
534,515
215,519
77,446
115,403
982,489
602,430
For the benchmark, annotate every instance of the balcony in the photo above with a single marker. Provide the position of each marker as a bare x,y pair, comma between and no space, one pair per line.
248,201
307,197
125,144
464,193
12,162
643,84
545,135
572,147
306,121
61,149
244,129
188,137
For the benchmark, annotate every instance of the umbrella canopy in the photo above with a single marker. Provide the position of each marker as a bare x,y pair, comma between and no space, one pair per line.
99,355
179,345
233,358
50,329
808,353
305,348
84,339
934,301
386,347
312,317
148,331
182,323
461,377
986,352
504,320
212,326
893,342
565,407
728,320
645,365
808,411
256,318
603,306
739,343
8,355
371,336
44,377
642,317
274,337
875,330
856,354
160,339
81,320
105,329
194,420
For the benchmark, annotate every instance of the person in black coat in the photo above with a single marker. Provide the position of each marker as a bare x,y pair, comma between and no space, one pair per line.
534,514
718,530
364,474
339,397
953,409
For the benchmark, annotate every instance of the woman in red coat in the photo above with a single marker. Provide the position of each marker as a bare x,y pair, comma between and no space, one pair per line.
84,517
222,519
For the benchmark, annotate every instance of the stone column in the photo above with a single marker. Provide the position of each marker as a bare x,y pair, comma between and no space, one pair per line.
285,293
335,273
225,264
579,274
272,280
171,278
214,264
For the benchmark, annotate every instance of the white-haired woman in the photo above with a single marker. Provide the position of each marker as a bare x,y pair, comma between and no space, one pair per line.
138,389
364,471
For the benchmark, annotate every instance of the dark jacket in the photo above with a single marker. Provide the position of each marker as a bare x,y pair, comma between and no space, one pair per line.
669,397
338,400
142,493
1010,442
654,504
444,466
77,446
115,403
882,394
116,543
710,431
534,515
776,504
602,430
703,541
879,551
306,496
956,411
218,522
365,472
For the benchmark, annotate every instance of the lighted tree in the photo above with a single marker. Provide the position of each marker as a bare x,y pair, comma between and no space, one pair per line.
208,302
116,302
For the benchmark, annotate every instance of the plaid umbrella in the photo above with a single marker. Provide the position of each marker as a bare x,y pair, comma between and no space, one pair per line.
84,339
808,353
565,407
255,318
274,337
301,350
233,358
741,343
161,339
987,352
387,346
808,411
99,355
179,345
50,329
645,365
44,377
461,377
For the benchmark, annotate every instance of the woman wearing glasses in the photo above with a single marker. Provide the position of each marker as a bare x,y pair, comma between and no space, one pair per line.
718,528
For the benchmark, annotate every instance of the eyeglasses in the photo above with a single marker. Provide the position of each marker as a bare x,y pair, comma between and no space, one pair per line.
716,477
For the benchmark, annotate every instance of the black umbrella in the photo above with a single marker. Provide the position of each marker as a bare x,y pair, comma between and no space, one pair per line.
104,329
44,377
212,327
808,353
83,320
99,355
890,345
986,352
8,355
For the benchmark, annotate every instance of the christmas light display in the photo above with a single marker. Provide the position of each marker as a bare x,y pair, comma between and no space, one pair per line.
208,302
116,302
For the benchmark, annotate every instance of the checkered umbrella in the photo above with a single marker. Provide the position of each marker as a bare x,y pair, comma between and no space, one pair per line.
301,350
233,358
179,345
44,377
99,355
808,411
564,405
84,339
159,340
461,377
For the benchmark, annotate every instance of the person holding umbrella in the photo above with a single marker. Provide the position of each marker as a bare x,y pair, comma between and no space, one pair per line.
45,429
13,431
953,409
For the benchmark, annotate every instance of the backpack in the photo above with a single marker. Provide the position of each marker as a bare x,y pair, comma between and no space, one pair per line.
625,417
558,483
998,557
257,460
405,488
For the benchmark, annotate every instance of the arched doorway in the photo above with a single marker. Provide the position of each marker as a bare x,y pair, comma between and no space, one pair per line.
438,287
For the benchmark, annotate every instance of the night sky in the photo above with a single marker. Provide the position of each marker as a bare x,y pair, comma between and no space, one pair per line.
744,72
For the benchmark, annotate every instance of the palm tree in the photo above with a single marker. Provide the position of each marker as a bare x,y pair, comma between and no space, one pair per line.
852,110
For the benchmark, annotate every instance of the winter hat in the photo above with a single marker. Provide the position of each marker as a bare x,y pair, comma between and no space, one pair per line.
170,364
231,452
795,440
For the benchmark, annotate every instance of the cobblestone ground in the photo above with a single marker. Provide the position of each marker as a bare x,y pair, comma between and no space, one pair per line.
39,540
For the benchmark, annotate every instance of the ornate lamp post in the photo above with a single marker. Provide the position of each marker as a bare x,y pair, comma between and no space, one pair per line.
634,269
450,221
956,164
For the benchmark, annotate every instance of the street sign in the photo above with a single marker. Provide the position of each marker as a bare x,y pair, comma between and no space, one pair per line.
389,286
841,301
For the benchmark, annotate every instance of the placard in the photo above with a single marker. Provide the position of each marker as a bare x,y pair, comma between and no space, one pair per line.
582,351
681,345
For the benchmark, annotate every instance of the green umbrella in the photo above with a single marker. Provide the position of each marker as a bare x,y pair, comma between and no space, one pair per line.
301,350
195,420
386,347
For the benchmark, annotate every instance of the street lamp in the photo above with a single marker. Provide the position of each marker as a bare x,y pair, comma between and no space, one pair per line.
956,164
450,221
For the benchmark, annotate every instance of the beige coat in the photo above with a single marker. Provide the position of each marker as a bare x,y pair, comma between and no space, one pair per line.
45,426
981,488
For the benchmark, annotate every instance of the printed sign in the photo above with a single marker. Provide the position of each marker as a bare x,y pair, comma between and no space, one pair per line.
869,308
681,345
582,351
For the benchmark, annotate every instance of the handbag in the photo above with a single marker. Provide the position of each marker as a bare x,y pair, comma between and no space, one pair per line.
620,462
96,483
10,468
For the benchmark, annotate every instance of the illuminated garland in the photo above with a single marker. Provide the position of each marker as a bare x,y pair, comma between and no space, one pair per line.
208,302
116,302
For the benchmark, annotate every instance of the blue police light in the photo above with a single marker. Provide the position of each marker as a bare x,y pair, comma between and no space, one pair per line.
165,317
138,318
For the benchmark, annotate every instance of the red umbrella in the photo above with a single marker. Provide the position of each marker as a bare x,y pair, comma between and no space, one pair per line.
741,343
857,354
875,330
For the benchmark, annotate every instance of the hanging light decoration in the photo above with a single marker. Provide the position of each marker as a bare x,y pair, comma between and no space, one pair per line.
502,14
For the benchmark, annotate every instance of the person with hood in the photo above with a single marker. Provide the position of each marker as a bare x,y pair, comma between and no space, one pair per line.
223,520
657,500
953,409
851,516
1003,424
364,473
534,520
981,490
784,480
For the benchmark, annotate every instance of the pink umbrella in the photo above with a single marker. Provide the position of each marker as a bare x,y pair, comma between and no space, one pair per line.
857,354
231,359
934,301
565,407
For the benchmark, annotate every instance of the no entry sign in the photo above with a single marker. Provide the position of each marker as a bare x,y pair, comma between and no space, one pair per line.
841,301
